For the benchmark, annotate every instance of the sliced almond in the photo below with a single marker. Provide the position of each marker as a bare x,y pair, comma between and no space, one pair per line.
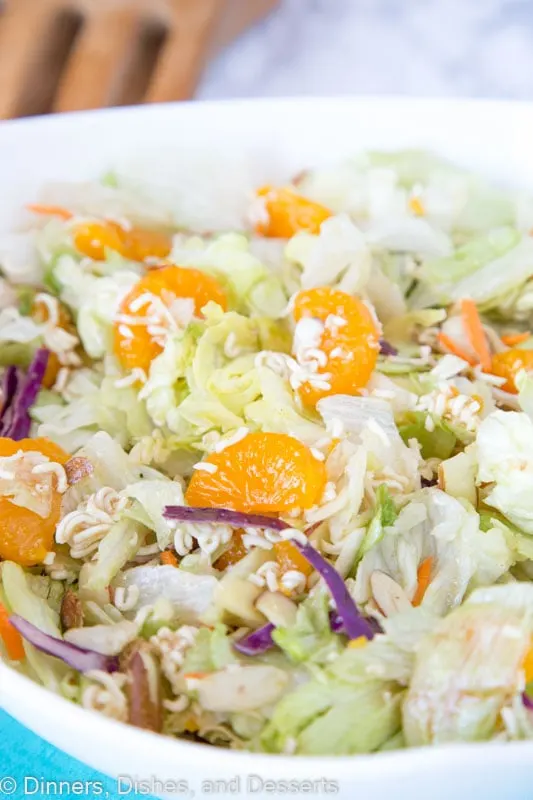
71,612
388,594
242,688
108,639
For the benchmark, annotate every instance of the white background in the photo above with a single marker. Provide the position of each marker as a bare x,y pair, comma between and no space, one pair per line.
478,48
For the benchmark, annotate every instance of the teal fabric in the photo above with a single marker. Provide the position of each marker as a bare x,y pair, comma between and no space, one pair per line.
25,756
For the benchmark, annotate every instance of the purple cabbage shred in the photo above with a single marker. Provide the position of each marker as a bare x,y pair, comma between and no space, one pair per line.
257,642
386,348
19,394
223,516
79,658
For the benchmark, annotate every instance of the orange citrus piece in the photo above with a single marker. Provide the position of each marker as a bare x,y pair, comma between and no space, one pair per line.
350,341
233,552
135,343
509,363
94,238
25,537
11,637
52,370
287,212
269,473
289,558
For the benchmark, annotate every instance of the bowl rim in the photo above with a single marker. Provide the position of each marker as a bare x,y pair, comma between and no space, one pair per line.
401,762
190,106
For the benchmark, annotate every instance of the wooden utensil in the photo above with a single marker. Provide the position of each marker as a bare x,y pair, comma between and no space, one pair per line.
66,55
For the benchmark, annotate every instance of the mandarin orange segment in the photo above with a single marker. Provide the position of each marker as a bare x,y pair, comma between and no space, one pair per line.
25,537
289,558
233,552
269,473
287,212
349,341
509,363
94,238
141,244
40,313
53,366
137,341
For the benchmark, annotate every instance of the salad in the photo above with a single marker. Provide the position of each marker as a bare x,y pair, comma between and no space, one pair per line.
271,488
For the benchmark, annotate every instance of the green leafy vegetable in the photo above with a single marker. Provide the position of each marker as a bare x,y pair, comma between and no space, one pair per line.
437,443
384,515
311,637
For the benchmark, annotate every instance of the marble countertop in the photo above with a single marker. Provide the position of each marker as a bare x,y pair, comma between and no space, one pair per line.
480,48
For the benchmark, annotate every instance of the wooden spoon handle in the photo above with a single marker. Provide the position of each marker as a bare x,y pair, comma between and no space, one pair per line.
23,50
68,55
186,50
98,67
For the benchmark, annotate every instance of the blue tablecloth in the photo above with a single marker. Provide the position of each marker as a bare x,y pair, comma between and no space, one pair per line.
26,757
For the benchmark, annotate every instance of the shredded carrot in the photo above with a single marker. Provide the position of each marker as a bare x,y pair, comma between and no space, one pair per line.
511,339
197,675
417,207
453,347
476,335
51,211
423,576
168,558
11,637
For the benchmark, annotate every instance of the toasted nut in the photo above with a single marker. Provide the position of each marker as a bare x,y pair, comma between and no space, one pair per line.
71,612
277,608
78,468
144,686
388,594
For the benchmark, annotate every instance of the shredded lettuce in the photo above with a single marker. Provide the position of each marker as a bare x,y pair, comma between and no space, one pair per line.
339,256
253,287
488,285
320,715
310,638
437,526
504,447
190,595
212,650
439,441
115,549
384,516
152,497
22,600
471,257
277,410
474,655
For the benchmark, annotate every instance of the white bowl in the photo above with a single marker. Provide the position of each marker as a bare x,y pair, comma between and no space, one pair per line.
283,135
